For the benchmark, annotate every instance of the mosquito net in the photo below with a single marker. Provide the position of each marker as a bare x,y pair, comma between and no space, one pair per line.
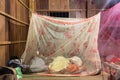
109,34
66,45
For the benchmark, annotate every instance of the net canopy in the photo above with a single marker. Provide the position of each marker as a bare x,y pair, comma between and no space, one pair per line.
109,34
64,40
61,41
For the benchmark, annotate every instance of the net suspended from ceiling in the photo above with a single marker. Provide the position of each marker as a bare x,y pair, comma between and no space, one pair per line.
109,34
66,45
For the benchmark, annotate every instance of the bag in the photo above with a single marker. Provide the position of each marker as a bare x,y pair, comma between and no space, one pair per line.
37,65
7,73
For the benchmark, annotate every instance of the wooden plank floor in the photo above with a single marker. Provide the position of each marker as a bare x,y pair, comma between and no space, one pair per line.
103,76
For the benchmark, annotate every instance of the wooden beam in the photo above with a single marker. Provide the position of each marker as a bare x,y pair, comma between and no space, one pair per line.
57,10
96,9
11,17
67,10
10,42
25,5
33,5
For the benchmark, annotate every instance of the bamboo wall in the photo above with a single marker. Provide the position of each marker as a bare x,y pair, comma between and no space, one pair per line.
13,32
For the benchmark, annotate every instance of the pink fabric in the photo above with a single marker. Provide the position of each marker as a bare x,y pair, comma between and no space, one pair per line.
109,34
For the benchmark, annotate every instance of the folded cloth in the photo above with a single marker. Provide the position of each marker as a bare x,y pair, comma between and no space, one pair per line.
59,63
72,68
76,60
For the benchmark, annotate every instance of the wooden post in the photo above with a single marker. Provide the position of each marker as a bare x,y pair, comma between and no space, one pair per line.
32,5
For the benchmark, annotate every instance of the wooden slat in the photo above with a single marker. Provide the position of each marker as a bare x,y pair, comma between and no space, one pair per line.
16,31
61,10
64,4
42,4
2,34
58,4
17,35
96,9
11,17
11,42
7,10
92,7
78,4
13,26
25,5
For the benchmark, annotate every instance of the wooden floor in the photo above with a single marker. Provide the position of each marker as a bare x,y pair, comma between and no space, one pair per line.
103,76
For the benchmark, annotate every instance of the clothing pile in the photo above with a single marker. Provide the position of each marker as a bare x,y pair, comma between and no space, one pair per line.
61,64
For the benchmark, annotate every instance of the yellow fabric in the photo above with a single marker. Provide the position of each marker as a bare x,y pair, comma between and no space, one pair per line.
59,63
